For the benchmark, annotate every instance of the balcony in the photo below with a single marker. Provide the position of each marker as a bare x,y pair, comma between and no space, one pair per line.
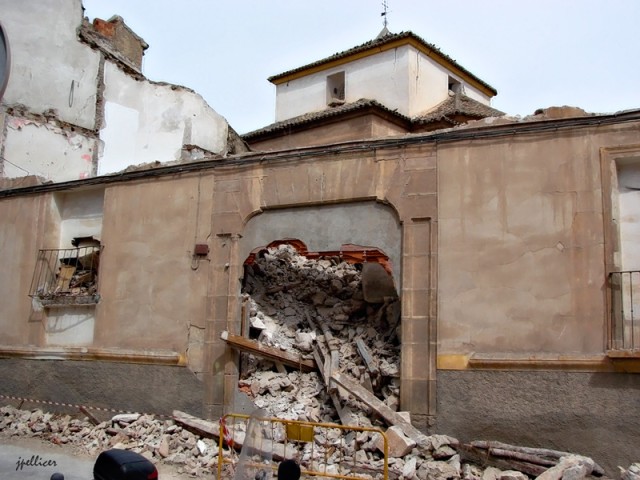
624,338
66,277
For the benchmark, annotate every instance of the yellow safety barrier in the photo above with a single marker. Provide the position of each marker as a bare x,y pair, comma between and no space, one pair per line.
319,448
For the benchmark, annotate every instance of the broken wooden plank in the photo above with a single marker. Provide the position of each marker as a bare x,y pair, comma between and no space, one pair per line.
391,417
346,415
367,358
64,277
90,416
204,427
483,458
277,355
524,457
544,452
81,278
543,455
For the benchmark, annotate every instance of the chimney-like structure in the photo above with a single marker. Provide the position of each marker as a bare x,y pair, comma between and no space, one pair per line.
122,38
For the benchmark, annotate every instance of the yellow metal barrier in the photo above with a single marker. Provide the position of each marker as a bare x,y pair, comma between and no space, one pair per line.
320,448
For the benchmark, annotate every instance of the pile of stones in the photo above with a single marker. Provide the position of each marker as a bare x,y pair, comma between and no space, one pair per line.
158,440
167,441
312,307
297,303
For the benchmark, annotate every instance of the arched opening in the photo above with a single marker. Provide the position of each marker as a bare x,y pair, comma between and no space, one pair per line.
307,315
345,265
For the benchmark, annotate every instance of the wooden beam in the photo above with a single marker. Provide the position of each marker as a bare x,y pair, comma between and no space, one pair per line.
483,458
203,427
391,417
539,456
367,358
346,415
277,355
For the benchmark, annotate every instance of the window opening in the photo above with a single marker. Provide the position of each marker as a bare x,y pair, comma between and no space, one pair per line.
455,86
68,276
625,282
335,89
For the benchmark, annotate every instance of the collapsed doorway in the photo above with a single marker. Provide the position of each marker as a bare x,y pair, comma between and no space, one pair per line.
337,312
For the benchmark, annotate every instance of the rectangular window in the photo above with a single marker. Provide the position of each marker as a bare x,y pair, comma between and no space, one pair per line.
335,89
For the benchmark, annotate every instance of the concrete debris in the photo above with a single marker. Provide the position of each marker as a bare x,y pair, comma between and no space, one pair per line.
632,473
158,440
314,309
399,444
191,443
571,467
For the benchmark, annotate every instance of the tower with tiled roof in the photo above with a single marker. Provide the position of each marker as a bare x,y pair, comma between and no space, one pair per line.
401,82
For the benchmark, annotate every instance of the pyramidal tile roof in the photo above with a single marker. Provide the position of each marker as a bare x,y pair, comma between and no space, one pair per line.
377,43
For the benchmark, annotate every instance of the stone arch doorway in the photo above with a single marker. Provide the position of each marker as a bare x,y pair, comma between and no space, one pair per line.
320,195
331,270
326,227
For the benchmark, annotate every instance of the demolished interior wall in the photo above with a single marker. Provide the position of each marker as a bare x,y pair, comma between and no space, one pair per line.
75,108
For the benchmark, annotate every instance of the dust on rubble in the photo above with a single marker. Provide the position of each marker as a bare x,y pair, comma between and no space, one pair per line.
297,304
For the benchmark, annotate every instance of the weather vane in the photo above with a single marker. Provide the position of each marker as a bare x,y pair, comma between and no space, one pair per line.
385,6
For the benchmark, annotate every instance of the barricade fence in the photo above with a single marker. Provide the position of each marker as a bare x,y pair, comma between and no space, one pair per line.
321,449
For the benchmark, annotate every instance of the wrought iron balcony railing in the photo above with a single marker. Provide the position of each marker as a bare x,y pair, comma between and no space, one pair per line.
67,276
625,310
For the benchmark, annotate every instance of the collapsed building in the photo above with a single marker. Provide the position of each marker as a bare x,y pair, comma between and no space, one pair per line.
509,242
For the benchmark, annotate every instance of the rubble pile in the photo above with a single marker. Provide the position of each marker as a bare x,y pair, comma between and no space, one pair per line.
158,440
192,445
315,308
313,350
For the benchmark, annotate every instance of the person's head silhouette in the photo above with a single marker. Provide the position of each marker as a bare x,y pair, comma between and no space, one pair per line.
288,470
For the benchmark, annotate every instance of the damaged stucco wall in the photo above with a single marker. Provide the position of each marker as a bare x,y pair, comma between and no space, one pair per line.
51,95
34,147
153,291
76,108
80,215
25,223
51,69
148,122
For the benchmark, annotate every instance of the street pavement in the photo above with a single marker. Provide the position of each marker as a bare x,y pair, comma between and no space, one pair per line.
42,459
32,459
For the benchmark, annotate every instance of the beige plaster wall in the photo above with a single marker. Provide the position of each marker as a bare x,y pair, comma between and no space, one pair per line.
521,244
153,292
26,227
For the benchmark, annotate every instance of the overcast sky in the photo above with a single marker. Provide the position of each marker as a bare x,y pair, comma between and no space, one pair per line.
536,53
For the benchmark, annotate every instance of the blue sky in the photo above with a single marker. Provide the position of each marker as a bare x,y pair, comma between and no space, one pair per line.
540,53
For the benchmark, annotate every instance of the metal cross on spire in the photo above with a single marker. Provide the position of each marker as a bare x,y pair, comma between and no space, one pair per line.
385,7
